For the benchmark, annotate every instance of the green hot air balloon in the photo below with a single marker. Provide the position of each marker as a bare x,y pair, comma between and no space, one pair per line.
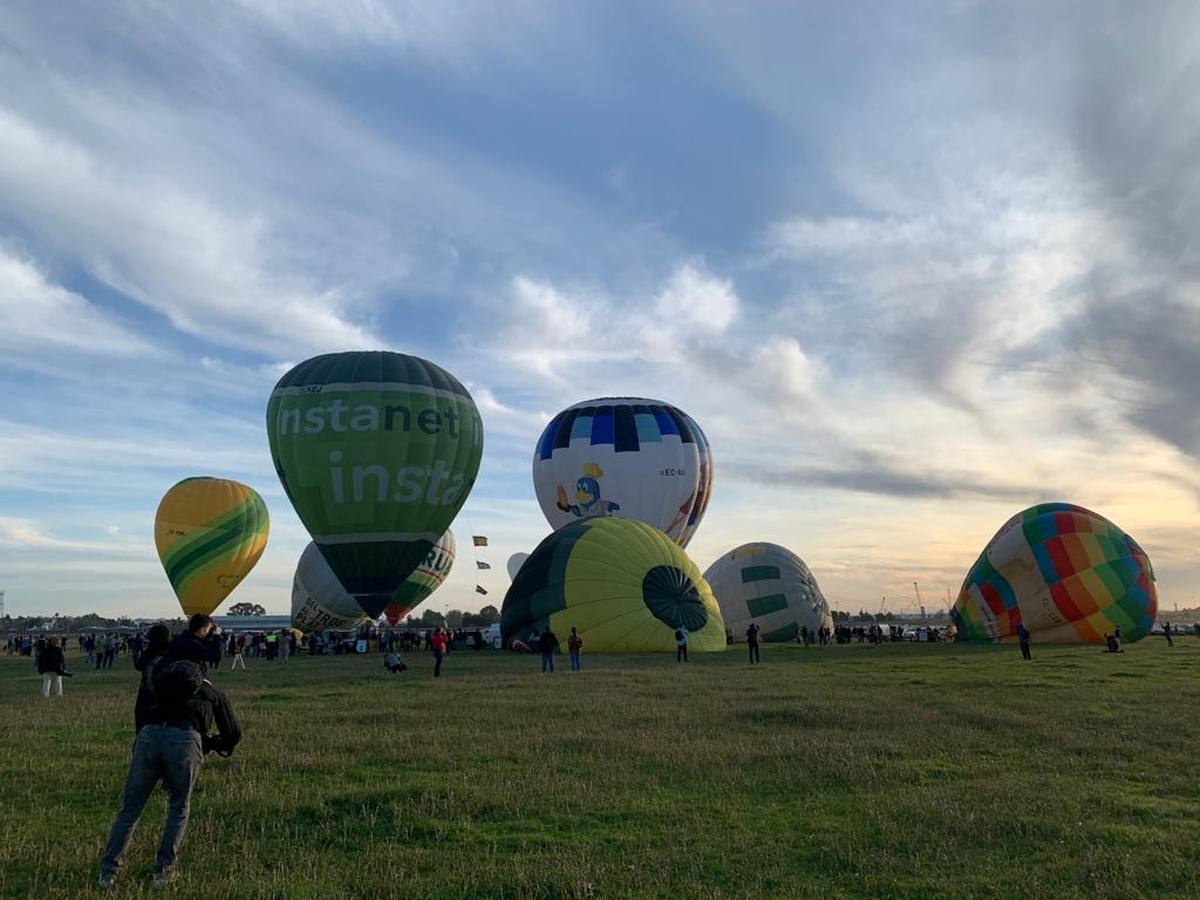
377,451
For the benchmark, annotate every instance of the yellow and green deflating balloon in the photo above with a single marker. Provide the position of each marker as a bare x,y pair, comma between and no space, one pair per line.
623,584
209,532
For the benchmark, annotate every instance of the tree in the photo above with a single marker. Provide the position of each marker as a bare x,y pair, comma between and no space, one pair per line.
432,619
247,609
487,616
454,618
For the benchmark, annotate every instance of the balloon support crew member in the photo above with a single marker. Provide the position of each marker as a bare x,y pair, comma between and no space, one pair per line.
752,643
1023,638
574,647
547,642
438,643
681,641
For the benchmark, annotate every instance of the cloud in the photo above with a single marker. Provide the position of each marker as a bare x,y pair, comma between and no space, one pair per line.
205,270
867,473
1136,129
36,316
549,329
28,534
781,365
693,301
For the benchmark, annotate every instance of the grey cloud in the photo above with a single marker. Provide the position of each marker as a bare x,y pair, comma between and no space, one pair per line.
867,473
1137,132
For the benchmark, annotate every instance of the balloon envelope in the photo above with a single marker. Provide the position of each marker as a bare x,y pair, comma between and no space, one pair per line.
1068,574
318,599
770,586
209,533
624,585
427,578
377,451
628,457
514,564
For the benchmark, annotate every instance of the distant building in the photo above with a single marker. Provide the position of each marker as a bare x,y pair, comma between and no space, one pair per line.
253,623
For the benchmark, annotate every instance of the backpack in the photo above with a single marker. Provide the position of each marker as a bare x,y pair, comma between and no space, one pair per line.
177,682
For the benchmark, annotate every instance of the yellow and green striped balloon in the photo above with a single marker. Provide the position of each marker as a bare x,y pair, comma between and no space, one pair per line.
209,532
624,585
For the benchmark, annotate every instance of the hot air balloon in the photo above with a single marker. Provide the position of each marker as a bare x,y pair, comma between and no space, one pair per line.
624,585
771,586
427,578
641,459
1068,574
514,564
377,451
318,599
209,533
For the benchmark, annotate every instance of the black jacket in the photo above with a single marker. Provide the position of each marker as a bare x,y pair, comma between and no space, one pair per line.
145,695
202,651
547,641
51,660
209,707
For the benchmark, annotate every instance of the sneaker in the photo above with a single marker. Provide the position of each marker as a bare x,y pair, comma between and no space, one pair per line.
165,877
107,881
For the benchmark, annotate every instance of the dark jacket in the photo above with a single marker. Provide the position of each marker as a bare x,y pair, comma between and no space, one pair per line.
145,695
208,707
51,660
547,641
204,652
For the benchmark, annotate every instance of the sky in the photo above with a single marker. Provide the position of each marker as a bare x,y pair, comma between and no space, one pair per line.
912,267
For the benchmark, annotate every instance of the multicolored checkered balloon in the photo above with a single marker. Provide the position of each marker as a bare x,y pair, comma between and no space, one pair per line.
1068,574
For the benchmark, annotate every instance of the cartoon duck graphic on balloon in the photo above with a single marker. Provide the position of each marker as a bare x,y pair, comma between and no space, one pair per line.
587,495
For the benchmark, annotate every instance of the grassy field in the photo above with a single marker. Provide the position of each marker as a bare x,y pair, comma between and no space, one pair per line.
846,771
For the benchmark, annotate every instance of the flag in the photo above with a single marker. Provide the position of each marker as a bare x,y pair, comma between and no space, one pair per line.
479,539
480,564
479,589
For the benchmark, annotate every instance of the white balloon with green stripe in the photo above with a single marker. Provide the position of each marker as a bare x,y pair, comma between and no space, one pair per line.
770,586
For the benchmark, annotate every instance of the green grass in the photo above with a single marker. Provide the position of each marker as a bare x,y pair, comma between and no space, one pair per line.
849,771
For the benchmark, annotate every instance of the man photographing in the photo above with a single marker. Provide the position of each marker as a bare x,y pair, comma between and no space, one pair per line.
170,747
201,643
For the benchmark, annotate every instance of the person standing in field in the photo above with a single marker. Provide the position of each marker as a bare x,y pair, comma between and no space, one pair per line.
438,644
574,648
752,643
52,665
285,645
546,644
681,636
1167,634
234,651
170,747
1023,639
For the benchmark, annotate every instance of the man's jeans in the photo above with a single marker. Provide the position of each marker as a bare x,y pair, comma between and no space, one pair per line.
172,755
547,662
575,665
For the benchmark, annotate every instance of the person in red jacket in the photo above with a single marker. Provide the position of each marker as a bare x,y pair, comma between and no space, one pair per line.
438,644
